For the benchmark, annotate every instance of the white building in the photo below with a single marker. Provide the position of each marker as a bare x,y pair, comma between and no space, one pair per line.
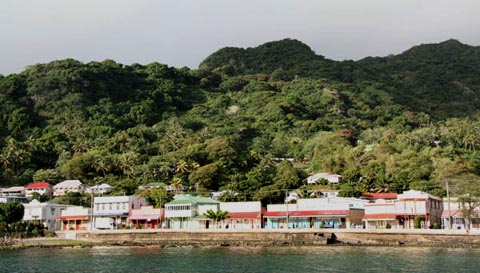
42,188
68,186
13,191
99,189
330,177
187,212
402,212
45,213
114,209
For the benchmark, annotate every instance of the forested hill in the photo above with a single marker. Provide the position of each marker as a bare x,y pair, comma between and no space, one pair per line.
401,122
439,79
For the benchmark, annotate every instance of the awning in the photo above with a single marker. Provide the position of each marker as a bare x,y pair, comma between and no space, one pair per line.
306,213
144,217
245,215
73,217
380,216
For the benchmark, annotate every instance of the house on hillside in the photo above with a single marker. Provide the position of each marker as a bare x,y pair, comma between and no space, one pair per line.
330,177
13,191
42,188
188,212
62,188
99,189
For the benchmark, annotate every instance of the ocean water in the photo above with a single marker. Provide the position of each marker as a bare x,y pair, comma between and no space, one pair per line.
274,259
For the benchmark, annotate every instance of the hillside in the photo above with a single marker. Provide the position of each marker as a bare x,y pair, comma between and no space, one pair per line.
384,124
438,79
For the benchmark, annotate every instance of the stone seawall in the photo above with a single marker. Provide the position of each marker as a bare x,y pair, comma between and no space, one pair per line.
277,238
206,238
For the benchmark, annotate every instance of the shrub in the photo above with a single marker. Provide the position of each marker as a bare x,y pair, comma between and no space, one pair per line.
417,222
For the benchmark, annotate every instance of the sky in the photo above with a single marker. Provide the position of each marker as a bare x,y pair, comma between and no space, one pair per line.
184,32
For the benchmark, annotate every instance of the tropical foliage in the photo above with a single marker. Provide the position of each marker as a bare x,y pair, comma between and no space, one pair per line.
253,122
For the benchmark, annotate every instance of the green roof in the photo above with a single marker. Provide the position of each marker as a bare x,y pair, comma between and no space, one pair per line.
193,200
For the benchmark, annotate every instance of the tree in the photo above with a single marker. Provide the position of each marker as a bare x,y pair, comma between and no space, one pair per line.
157,197
287,176
75,199
205,177
11,212
216,216
40,197
469,197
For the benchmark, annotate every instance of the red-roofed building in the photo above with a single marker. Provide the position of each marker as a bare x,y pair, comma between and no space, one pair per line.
42,188
316,213
377,196
74,218
243,215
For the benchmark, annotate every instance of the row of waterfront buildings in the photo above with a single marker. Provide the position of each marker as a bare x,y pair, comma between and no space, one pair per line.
409,210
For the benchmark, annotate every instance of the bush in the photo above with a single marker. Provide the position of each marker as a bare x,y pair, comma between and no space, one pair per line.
388,226
417,222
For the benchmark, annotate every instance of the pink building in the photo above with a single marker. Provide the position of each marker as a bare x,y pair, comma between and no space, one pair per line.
401,213
147,217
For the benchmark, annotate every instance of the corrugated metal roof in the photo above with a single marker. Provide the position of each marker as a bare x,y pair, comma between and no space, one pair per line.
183,200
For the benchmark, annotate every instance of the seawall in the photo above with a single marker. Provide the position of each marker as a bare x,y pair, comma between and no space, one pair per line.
165,238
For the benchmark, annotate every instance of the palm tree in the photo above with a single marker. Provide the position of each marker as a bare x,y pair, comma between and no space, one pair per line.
182,166
177,184
216,216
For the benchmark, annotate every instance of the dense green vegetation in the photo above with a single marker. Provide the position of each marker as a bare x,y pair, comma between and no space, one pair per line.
11,215
401,122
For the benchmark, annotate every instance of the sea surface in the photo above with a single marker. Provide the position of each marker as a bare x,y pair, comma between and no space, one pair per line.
275,259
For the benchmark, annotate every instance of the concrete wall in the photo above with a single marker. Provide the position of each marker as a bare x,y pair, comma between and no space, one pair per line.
279,238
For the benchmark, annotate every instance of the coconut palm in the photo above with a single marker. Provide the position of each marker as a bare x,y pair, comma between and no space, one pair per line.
216,216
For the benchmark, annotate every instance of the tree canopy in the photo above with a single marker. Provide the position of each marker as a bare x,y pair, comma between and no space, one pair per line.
252,121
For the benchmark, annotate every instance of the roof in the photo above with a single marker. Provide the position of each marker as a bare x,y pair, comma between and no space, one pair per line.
305,213
193,200
13,189
144,217
38,185
375,196
102,186
454,213
68,184
379,216
73,217
244,215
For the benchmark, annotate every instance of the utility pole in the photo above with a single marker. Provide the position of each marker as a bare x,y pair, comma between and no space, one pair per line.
449,211
286,200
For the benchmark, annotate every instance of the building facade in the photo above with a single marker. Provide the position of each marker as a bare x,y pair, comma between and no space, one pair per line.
45,213
188,212
111,212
